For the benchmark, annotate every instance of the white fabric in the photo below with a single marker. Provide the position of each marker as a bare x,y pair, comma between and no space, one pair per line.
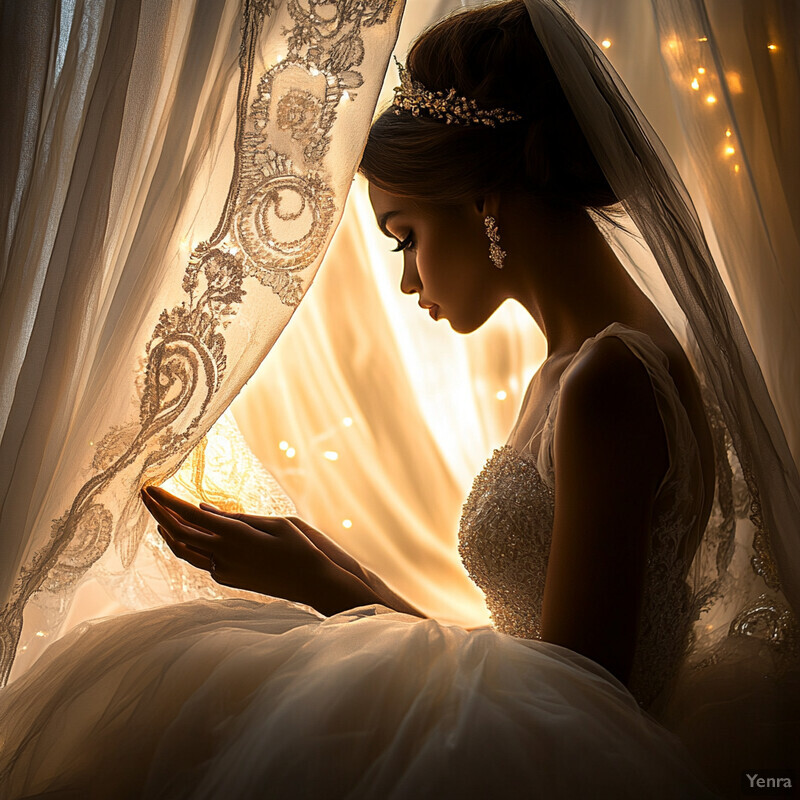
242,699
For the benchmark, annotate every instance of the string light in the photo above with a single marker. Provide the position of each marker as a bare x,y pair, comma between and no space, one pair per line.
291,452
347,523
703,39
40,633
279,58
501,395
283,445
606,43
347,422
772,47
701,70
695,84
736,168
728,133
331,455
729,151
711,99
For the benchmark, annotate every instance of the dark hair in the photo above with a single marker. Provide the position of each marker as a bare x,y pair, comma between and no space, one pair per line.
493,56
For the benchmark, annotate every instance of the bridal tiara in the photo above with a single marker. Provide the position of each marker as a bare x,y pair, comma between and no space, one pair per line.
412,96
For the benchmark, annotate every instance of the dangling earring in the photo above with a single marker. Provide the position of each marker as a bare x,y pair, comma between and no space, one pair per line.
496,253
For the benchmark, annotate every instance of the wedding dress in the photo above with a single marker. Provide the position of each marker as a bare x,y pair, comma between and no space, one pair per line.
253,699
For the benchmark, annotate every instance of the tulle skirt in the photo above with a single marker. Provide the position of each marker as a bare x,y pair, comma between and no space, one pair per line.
247,699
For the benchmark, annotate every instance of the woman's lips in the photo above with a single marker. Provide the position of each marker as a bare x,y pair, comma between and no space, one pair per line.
432,308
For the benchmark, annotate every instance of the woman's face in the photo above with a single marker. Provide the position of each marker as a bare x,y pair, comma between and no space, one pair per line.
445,255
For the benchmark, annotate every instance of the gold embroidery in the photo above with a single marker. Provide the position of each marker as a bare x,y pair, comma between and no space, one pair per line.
770,620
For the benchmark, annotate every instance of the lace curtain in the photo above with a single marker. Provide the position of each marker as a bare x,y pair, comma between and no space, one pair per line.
173,176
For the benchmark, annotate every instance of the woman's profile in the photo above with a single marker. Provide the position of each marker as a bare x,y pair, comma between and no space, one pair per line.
582,530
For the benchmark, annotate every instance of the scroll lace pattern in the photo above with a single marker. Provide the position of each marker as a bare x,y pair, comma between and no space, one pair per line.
504,543
760,612
284,122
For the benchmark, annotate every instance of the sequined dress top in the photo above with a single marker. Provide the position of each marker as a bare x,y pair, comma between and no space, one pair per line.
507,523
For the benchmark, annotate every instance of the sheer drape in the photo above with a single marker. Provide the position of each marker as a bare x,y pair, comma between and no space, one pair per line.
136,298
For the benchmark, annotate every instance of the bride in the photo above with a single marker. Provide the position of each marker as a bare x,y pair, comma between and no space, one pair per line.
584,531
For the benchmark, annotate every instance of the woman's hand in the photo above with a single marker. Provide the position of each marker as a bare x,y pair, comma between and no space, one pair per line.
336,554
276,558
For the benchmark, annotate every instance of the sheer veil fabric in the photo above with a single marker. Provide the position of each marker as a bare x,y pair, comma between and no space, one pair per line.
746,635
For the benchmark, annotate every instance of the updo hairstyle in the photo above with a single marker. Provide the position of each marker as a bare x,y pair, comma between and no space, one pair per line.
492,55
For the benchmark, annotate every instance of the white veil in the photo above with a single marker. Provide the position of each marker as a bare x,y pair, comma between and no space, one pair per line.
746,573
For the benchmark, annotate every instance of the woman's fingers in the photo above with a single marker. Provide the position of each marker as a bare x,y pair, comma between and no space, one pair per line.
200,518
193,557
178,528
270,525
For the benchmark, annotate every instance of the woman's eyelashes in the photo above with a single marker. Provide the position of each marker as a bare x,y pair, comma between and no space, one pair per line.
406,244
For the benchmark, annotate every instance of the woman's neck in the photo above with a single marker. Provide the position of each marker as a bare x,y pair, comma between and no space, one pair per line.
563,271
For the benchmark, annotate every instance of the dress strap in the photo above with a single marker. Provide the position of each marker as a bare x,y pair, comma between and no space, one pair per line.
681,442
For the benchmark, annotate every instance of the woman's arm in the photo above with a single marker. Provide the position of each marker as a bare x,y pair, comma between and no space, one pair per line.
610,456
277,556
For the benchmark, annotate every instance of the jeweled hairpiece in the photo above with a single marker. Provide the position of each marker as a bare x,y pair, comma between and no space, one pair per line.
413,97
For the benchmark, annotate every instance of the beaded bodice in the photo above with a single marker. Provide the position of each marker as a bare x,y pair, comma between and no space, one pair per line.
507,522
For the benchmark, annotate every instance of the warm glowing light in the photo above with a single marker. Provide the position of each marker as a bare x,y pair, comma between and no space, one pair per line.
347,523
695,84
606,43
314,71
284,445
501,395
331,455
711,99
41,633
291,452
279,59
233,250
701,70
703,39
672,44
772,47
734,81
345,95
728,133
736,168
347,422
729,151
91,444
